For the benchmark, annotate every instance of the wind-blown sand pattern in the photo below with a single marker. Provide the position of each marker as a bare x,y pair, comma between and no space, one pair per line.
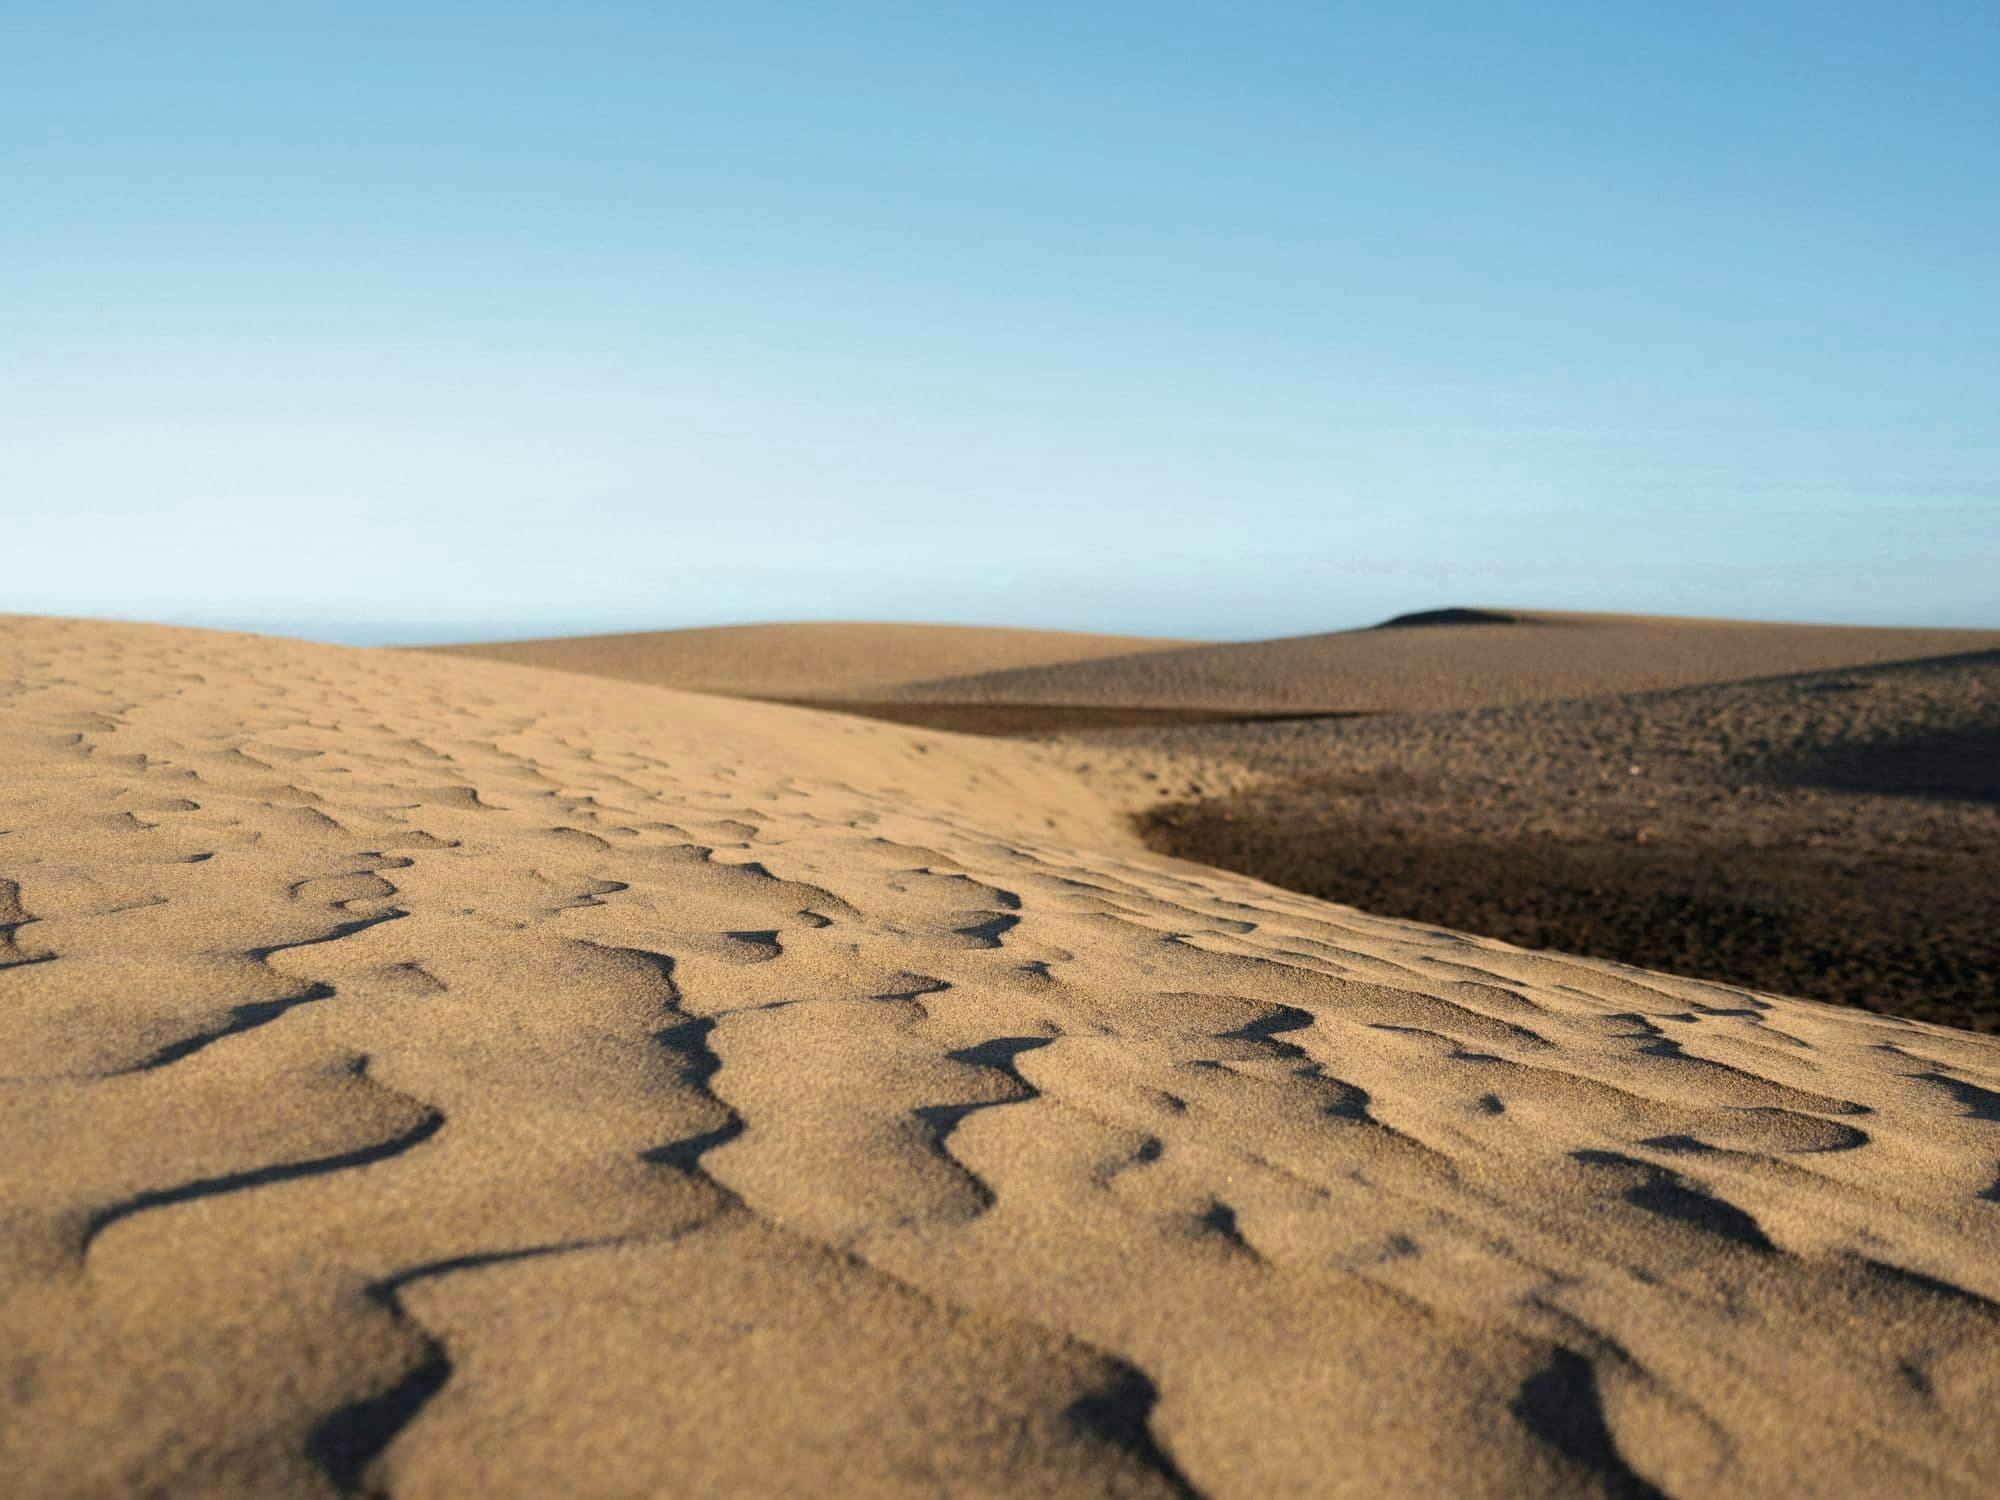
428,1076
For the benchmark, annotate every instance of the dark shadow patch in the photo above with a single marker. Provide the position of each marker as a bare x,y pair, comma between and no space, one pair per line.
1959,764
940,1120
1906,930
236,1182
699,1063
988,934
1044,718
999,1053
1665,1194
1680,1145
686,1154
1978,1103
1149,1151
917,986
1266,1030
350,1439
1120,1415
1918,1281
1219,1219
257,1013
346,1442
1452,615
1560,1405
340,930
240,1018
688,1041
763,939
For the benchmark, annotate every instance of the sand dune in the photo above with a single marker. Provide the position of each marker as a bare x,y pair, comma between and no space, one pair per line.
829,659
430,1076
1831,834
1510,657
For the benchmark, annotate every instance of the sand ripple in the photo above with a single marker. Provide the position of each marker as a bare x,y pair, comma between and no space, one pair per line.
428,1077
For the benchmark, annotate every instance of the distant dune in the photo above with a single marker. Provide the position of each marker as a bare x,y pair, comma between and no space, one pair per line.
1448,660
1829,834
993,680
431,1076
821,660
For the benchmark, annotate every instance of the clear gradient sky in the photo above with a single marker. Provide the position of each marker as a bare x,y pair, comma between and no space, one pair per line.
424,321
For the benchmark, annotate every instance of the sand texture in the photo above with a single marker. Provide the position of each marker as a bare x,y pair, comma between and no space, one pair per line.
817,660
1515,657
427,1077
1833,834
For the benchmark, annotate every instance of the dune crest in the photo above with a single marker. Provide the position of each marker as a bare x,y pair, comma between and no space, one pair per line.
1439,660
430,1076
817,660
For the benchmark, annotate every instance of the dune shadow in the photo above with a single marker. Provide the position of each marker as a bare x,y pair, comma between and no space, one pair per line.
1961,764
1910,935
1047,718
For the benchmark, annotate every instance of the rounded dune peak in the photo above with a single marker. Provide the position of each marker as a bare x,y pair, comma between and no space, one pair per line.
1455,614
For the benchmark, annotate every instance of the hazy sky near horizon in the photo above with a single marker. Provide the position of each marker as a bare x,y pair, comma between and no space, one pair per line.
429,321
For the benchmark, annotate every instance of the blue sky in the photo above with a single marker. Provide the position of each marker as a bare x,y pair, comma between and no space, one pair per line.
431,320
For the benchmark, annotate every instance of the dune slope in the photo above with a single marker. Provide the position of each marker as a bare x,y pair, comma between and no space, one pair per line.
1835,835
428,1076
1472,659
827,659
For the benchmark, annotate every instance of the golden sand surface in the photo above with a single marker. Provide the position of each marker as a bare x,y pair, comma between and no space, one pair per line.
821,659
1517,657
427,1077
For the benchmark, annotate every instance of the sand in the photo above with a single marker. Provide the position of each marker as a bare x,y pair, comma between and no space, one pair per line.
821,660
429,1076
1514,656
1834,834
